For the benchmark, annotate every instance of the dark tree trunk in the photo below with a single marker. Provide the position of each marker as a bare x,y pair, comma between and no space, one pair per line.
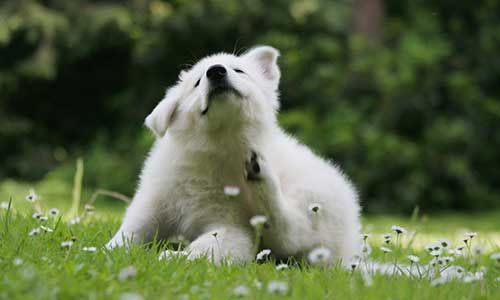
368,17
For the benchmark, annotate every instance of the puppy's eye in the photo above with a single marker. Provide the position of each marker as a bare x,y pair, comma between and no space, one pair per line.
197,83
239,71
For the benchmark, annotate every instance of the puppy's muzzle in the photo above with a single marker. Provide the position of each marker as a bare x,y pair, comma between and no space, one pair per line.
218,83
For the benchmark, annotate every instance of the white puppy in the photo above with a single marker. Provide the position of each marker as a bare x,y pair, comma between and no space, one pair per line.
217,129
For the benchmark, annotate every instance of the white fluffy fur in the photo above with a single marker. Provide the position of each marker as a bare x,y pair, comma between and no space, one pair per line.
181,190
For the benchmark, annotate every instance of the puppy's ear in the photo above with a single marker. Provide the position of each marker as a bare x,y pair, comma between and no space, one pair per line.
266,57
162,116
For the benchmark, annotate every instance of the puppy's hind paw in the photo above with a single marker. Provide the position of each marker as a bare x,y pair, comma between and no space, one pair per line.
252,167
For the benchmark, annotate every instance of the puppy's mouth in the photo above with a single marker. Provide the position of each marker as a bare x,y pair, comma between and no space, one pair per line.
220,91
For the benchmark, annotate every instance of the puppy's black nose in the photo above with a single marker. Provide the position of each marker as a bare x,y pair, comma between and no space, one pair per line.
216,73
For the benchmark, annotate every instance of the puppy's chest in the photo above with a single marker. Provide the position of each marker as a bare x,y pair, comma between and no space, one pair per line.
210,190
215,166
212,177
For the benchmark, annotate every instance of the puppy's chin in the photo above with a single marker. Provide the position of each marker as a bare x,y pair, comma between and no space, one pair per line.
225,112
221,94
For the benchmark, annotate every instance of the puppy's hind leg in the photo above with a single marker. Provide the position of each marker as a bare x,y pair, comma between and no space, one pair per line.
286,221
225,243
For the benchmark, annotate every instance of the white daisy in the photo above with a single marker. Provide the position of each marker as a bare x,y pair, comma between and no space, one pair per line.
385,250
365,236
126,273
74,221
366,250
445,243
455,252
413,258
89,209
241,290
66,244
258,221
433,246
281,267
46,229
32,196
17,261
447,259
53,212
320,255
89,249
314,208
257,283
36,215
457,269
231,190
495,256
35,231
387,238
398,229
263,254
435,253
354,264
4,205
434,261
470,235
277,287
43,218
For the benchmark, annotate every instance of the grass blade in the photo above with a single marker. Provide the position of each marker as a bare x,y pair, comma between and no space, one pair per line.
77,188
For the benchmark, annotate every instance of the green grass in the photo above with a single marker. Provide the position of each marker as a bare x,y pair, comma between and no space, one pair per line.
36,267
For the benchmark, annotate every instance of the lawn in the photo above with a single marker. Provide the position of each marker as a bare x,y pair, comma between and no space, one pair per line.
62,264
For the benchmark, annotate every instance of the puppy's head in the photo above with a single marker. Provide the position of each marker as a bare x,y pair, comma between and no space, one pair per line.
221,93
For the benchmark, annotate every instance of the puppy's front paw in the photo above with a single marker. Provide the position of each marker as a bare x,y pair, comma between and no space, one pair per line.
115,243
121,239
252,167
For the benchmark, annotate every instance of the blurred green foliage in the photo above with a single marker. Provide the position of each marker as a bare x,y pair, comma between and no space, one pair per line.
414,119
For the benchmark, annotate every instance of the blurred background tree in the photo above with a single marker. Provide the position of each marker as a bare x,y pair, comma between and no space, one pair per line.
404,95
